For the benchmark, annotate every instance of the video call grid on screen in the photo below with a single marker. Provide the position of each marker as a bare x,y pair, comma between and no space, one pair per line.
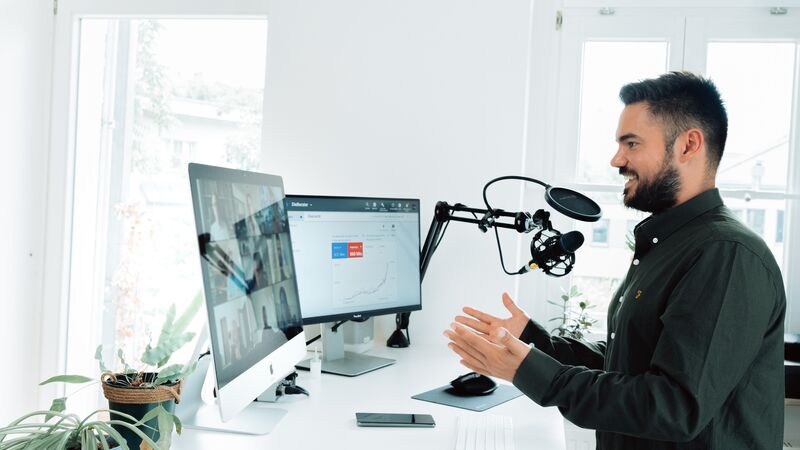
246,260
355,256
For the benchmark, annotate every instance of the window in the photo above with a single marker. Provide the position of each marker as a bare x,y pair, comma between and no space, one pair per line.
154,95
755,220
606,67
608,59
756,81
749,54
600,232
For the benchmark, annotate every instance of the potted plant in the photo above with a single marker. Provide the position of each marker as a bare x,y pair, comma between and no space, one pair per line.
571,322
141,401
52,430
574,322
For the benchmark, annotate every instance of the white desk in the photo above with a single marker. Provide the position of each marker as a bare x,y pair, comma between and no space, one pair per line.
326,419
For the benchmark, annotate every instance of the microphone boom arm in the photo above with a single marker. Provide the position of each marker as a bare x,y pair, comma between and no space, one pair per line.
570,203
443,214
522,222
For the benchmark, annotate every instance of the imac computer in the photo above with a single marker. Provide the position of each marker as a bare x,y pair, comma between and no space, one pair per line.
355,257
254,322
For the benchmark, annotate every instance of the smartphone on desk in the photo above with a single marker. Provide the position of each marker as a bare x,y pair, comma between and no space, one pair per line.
394,420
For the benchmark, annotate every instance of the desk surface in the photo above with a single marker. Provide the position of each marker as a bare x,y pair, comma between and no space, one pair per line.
326,419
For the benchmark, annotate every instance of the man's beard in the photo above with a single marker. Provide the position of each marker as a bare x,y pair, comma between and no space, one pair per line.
657,195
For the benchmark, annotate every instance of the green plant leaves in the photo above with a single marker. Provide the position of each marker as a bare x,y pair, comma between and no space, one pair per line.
67,379
121,356
98,355
171,339
572,322
164,428
169,373
186,318
58,405
167,345
68,432
166,420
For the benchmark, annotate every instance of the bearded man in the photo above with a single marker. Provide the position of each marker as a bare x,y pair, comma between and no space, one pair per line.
693,358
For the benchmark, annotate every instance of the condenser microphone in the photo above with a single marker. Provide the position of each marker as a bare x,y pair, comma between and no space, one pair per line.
554,254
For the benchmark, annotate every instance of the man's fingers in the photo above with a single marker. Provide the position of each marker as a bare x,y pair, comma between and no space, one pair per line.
480,315
474,340
503,337
465,354
476,325
474,368
510,305
464,345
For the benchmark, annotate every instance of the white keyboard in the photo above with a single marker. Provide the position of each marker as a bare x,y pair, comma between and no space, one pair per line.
485,432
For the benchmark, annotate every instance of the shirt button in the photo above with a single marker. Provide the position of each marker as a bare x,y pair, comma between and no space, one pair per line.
621,299
612,335
655,240
635,262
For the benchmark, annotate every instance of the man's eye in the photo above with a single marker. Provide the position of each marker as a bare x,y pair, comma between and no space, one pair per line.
632,144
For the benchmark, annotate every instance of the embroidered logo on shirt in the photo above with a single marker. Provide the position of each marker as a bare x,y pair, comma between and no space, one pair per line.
638,294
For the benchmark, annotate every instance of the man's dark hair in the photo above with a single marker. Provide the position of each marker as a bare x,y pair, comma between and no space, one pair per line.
682,100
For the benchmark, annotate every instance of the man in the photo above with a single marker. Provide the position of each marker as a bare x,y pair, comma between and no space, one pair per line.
694,352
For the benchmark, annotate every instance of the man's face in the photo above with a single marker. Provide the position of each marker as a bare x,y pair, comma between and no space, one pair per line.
653,181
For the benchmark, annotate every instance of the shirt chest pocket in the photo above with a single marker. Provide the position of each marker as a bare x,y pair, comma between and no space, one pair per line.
636,318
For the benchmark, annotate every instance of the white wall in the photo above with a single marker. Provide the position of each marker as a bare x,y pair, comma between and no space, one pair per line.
410,98
25,57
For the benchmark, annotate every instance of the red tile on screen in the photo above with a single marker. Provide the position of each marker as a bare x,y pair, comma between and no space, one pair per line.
355,249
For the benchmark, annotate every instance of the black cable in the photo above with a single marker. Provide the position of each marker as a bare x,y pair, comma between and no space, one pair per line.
509,177
486,201
438,241
334,328
500,251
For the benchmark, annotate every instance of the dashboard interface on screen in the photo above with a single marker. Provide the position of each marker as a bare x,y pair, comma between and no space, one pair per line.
246,260
355,256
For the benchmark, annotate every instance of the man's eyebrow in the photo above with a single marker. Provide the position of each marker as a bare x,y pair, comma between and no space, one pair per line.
625,137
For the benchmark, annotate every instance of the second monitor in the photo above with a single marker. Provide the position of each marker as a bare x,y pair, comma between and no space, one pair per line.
355,257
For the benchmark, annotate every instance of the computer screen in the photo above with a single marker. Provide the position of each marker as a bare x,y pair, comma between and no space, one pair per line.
355,256
248,273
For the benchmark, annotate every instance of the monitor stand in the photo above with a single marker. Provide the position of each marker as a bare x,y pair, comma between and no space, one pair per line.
256,419
337,361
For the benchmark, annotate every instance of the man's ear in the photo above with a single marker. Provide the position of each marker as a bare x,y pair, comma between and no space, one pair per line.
690,143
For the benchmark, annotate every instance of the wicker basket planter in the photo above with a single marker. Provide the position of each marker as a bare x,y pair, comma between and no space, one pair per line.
137,401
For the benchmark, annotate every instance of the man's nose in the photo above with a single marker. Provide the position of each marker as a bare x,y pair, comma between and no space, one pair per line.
618,160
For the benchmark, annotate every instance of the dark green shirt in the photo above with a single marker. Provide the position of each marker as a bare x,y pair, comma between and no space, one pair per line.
694,353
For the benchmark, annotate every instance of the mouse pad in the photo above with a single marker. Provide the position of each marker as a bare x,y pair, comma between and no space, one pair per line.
502,394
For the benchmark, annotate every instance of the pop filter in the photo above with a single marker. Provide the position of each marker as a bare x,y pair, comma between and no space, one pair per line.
572,204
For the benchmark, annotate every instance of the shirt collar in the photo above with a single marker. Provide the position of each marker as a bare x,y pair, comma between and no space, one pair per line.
658,227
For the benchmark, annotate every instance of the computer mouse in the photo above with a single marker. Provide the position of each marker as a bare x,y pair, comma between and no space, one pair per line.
471,384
